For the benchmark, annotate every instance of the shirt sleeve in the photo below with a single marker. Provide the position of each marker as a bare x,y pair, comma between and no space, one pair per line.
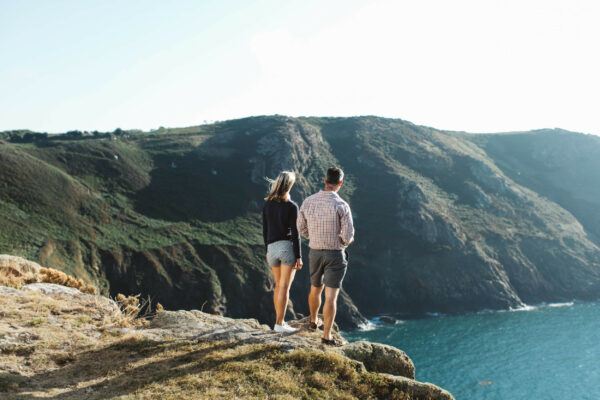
301,223
347,225
294,229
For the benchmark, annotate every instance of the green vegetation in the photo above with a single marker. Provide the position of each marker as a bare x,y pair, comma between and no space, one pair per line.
445,222
36,321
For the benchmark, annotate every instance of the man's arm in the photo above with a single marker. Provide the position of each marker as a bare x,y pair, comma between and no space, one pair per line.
301,223
347,225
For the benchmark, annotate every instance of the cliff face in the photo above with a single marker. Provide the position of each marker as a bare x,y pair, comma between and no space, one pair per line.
445,222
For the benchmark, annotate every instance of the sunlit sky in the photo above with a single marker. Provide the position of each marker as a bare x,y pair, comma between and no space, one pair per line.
478,66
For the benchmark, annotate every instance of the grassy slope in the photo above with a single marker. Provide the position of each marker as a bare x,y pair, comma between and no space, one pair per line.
558,164
71,204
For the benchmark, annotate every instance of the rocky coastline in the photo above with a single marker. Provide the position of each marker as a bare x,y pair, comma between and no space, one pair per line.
48,330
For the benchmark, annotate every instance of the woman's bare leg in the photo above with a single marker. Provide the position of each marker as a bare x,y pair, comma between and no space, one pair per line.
276,274
282,291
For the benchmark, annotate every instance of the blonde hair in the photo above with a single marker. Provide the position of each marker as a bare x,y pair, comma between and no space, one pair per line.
281,186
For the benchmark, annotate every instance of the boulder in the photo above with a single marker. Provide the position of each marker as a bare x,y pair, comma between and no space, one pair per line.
380,358
59,291
18,265
52,289
418,390
386,319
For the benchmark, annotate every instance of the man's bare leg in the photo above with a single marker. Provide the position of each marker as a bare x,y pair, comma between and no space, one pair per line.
329,310
314,302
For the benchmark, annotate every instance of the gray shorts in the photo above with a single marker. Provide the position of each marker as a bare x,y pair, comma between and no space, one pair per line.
327,266
281,252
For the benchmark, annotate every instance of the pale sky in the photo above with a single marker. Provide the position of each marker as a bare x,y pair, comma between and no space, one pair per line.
477,66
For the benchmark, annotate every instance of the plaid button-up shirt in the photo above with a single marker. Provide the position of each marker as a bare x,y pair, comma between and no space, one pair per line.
325,219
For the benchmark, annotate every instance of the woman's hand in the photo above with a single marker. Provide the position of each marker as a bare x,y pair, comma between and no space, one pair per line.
299,264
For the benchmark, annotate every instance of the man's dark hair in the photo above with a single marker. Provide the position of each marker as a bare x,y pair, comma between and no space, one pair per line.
334,176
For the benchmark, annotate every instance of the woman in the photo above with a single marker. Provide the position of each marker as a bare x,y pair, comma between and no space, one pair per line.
282,243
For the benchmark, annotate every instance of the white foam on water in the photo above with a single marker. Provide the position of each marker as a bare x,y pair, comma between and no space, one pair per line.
367,326
566,304
525,307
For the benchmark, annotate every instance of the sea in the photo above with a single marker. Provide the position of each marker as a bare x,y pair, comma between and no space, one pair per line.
541,352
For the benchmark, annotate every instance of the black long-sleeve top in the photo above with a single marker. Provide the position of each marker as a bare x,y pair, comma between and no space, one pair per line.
279,223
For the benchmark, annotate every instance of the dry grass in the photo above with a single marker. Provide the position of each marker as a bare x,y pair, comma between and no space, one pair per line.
65,351
132,368
50,275
13,277
16,272
134,312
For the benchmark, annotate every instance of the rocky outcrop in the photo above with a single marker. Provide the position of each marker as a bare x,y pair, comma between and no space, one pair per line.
17,266
95,317
419,390
381,358
60,291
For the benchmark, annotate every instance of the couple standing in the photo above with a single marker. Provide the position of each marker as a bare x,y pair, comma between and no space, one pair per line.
326,221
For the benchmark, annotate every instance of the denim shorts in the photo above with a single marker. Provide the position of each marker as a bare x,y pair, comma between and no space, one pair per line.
281,252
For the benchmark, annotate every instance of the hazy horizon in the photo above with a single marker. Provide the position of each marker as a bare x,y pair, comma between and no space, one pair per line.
463,66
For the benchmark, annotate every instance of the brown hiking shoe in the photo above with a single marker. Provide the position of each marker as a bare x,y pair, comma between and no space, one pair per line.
315,325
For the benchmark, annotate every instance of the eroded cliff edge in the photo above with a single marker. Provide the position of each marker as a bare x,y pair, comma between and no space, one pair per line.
58,342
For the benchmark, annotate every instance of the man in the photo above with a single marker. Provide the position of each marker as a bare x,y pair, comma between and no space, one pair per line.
325,219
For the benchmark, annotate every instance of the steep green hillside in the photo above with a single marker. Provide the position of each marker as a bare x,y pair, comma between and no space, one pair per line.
561,165
445,222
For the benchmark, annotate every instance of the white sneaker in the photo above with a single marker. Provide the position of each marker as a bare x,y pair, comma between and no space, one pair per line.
285,328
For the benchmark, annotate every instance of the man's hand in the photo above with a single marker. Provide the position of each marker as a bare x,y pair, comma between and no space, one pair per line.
298,264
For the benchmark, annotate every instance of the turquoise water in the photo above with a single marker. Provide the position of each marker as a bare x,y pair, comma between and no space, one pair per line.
539,353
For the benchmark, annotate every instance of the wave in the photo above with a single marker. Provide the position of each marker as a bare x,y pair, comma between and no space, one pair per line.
531,307
524,307
566,304
375,323
367,326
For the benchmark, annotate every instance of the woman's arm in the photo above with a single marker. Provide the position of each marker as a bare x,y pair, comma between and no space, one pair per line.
295,237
